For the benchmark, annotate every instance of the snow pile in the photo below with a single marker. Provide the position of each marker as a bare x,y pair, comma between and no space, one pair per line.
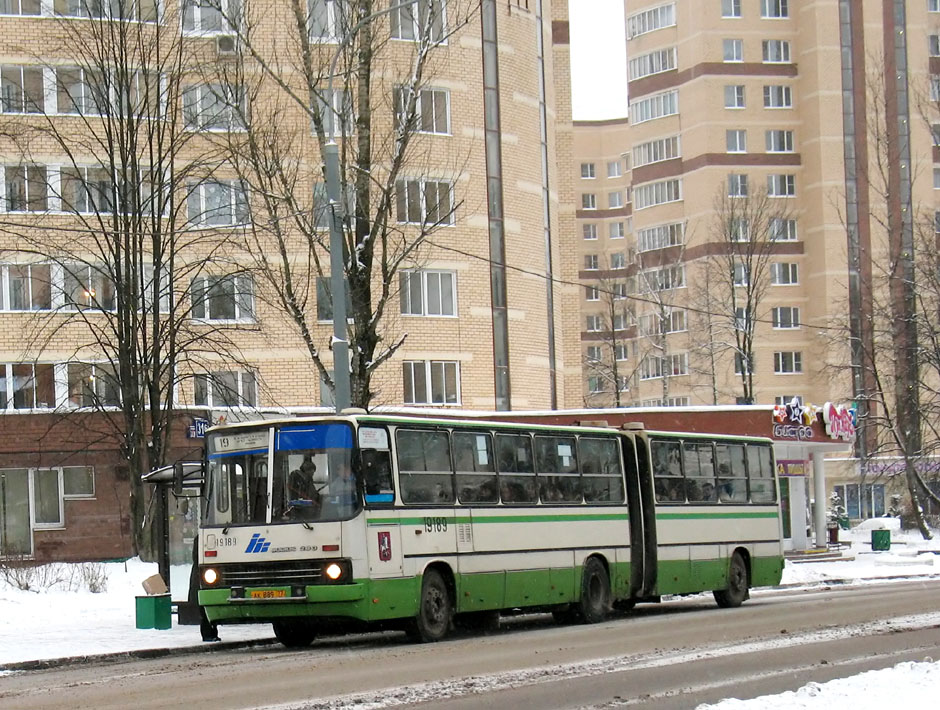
906,685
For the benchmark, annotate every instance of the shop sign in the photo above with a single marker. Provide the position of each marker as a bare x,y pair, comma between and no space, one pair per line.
840,421
791,468
794,420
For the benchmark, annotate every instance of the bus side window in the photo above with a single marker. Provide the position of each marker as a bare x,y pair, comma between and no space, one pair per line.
760,473
601,473
517,484
424,467
377,475
556,463
667,471
475,468
732,473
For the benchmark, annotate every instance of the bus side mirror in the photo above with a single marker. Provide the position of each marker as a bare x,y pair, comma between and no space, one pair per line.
178,478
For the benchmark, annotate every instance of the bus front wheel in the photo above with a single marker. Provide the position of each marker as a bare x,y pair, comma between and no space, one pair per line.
435,612
736,591
294,633
595,592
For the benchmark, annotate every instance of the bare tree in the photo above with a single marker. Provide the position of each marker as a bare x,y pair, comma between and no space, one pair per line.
360,73
738,269
609,368
101,235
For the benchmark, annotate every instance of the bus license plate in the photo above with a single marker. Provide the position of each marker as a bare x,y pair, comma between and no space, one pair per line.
269,594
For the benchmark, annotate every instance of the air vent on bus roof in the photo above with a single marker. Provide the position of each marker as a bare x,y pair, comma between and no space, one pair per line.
632,426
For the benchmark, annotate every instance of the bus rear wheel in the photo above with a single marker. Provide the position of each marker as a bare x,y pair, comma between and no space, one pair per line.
736,591
294,633
435,611
595,592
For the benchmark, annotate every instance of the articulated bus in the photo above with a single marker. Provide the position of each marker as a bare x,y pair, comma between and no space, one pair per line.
366,520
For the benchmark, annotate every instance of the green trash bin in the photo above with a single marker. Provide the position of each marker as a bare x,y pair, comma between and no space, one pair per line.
153,612
880,540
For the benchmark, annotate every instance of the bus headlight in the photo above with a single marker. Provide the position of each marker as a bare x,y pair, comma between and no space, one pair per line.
334,571
210,575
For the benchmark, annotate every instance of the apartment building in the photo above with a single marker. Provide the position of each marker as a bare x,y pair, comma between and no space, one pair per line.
477,315
777,158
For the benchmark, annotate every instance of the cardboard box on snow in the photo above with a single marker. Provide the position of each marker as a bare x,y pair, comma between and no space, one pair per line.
155,585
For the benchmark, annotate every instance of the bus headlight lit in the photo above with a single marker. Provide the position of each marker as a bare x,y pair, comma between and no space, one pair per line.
334,571
210,575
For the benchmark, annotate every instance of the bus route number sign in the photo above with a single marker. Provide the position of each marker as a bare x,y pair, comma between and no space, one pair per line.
435,525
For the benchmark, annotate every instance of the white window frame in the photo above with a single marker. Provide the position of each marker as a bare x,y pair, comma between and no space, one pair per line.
732,50
784,273
591,262
788,362
614,169
657,193
656,151
226,119
245,382
783,230
780,323
660,236
406,25
593,323
587,171
735,97
37,5
731,9
737,185
616,230
332,30
588,201
42,184
224,17
427,100
34,507
426,308
650,20
778,141
774,9
589,230
653,107
430,367
776,51
233,212
736,140
19,86
614,200
94,371
81,494
243,297
6,287
405,196
781,185
778,96
592,293
655,62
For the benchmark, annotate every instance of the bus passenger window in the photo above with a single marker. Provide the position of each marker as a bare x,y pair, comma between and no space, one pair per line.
517,483
732,473
556,463
760,474
667,471
601,474
377,475
475,467
424,468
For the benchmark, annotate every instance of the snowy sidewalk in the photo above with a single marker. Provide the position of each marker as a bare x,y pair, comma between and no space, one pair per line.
36,628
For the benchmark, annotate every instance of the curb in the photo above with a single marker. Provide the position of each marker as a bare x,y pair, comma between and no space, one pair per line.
141,654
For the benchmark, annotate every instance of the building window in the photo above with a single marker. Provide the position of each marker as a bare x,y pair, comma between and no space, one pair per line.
650,20
621,353
616,230
593,353
781,185
589,230
789,399
212,107
590,262
428,293
587,171
785,317
593,324
592,293
47,497
25,188
665,279
850,494
422,201
27,386
660,236
661,60
657,193
731,8
431,111
736,140
782,274
783,230
86,190
614,200
788,362
21,89
774,9
78,482
737,185
741,275
933,45
588,201
733,50
618,260
222,297
227,388
933,5
740,229
779,141
614,169
20,7
776,51
656,151
408,25
743,365
217,203
26,287
620,321
325,18
734,96
595,385
92,385
211,16
431,382
87,286
653,107
777,96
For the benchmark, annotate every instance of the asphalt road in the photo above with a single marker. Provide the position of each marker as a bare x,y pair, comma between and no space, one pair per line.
674,655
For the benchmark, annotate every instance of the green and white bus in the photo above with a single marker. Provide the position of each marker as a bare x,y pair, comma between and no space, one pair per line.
409,522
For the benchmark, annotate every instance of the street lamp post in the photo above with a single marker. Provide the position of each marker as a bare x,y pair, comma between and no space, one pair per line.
342,389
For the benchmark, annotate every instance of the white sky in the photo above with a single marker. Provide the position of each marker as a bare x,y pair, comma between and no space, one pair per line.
598,59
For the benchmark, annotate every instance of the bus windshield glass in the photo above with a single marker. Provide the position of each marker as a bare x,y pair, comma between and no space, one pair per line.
312,478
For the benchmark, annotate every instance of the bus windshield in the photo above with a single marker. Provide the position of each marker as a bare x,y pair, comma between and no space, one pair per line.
312,477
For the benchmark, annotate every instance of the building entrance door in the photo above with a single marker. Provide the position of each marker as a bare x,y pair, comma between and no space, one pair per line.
16,536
